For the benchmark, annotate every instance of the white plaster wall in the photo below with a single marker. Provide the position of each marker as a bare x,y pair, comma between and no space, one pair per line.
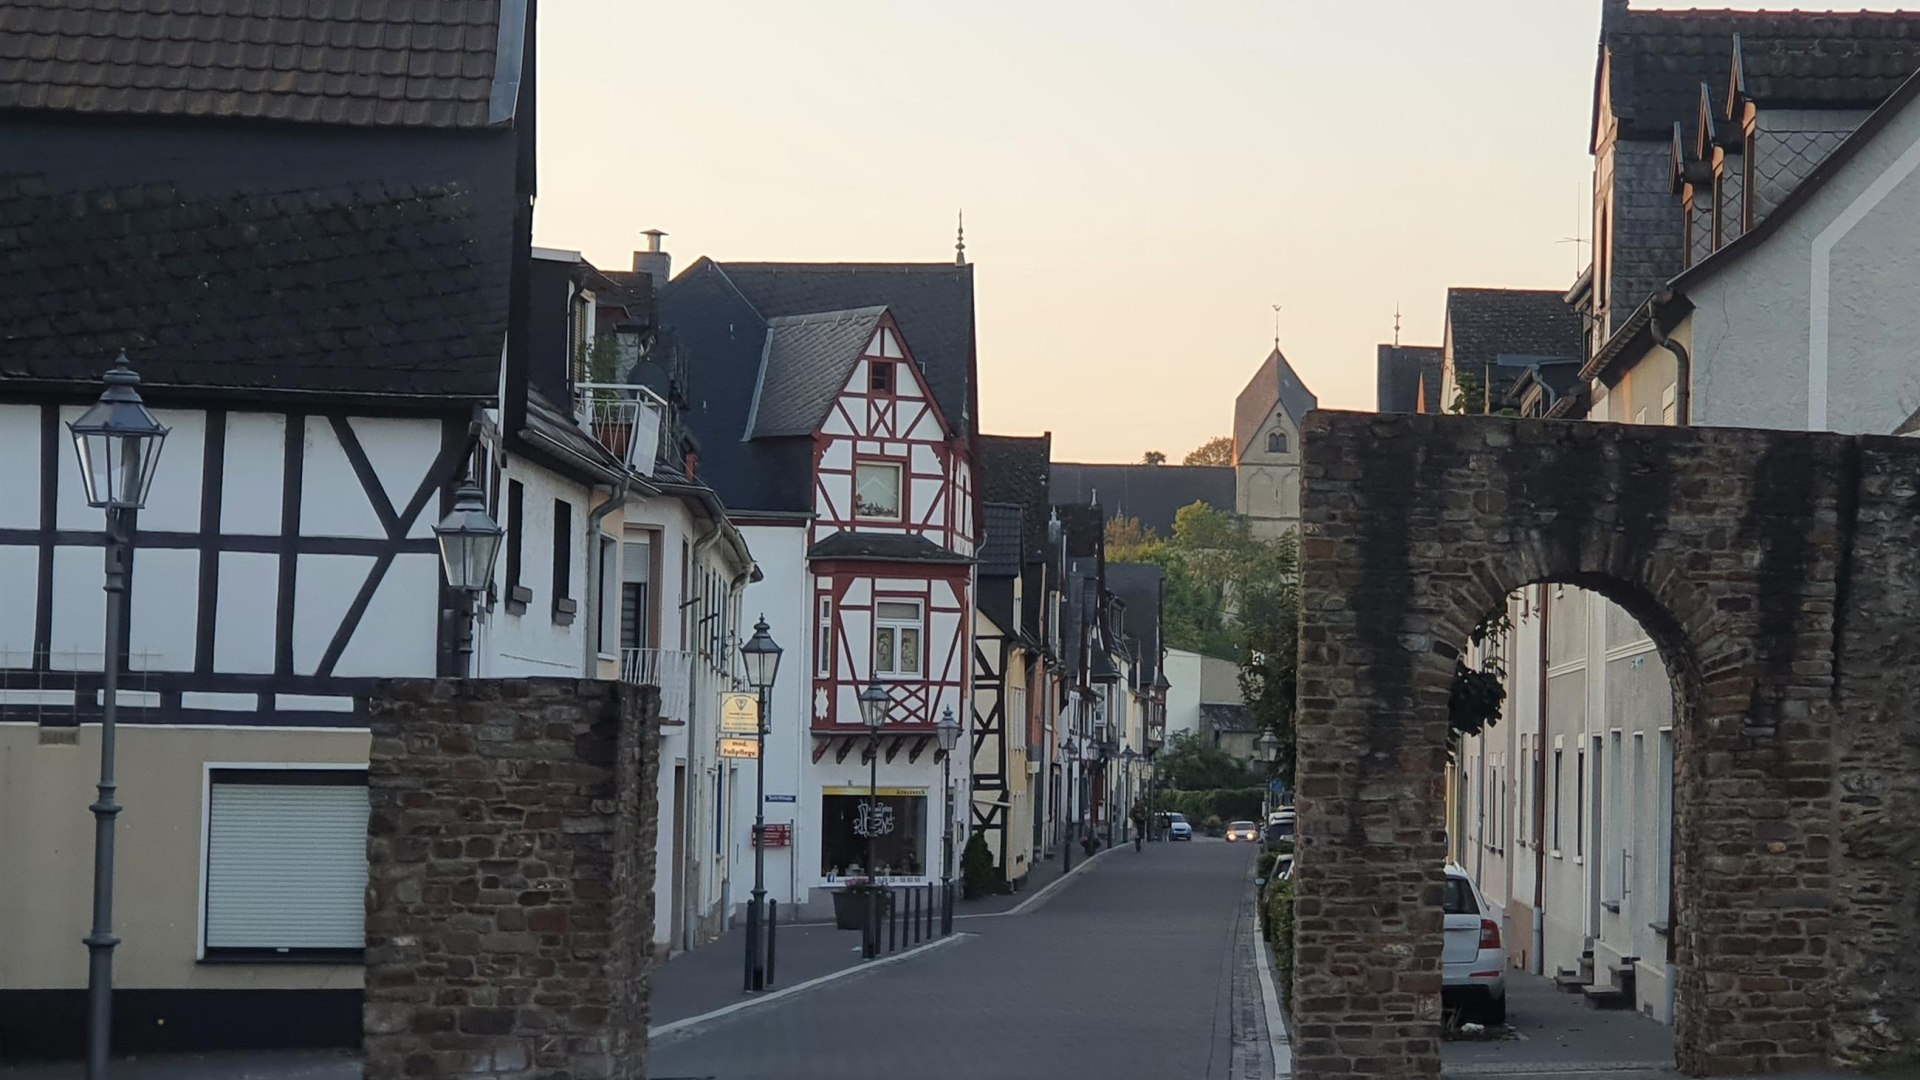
532,643
785,597
20,478
1183,691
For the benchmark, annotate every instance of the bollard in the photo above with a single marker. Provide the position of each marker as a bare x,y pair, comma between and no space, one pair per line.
927,904
913,914
893,920
772,923
870,925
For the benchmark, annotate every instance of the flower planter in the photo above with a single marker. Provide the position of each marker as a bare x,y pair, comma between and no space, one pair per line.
850,905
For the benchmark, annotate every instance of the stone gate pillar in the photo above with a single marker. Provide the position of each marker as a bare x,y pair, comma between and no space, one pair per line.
510,854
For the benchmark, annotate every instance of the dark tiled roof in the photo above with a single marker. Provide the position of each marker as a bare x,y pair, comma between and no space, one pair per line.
1221,717
883,547
1000,548
1014,472
1138,587
1153,494
389,63
1659,59
1397,371
931,302
1501,332
1275,385
809,359
380,289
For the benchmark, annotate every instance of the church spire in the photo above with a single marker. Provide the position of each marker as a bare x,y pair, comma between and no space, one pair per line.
960,242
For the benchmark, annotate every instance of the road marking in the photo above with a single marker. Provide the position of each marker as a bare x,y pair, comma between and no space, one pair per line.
1276,1025
776,995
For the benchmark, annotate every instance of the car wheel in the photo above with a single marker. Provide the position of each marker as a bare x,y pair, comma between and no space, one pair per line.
1493,1012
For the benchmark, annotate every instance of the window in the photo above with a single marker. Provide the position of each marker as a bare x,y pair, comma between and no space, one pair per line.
563,605
636,595
1458,899
894,824
1580,803
880,376
286,863
606,632
1663,824
1557,771
876,490
823,639
896,637
518,595
1276,442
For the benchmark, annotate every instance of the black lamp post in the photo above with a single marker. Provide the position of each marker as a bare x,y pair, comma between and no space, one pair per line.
762,659
1267,749
874,703
118,444
469,542
948,729
1098,753
1070,811
1129,756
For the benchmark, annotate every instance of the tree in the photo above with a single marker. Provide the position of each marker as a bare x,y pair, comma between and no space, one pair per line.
1215,451
1129,541
1186,763
1153,457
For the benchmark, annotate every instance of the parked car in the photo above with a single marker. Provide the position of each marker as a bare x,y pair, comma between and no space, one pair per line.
1280,830
1242,830
1177,827
1473,962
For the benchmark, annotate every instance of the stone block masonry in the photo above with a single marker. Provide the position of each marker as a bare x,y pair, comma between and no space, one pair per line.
1778,574
510,852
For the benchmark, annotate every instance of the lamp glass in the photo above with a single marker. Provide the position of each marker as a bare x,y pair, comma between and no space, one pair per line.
874,703
948,730
117,442
469,540
761,656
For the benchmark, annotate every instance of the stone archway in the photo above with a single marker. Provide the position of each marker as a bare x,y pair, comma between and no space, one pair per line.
1775,571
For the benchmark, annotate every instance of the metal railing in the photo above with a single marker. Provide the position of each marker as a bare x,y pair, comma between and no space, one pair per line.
668,669
626,418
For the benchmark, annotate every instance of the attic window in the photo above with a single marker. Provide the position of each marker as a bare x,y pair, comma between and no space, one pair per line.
880,376
1276,442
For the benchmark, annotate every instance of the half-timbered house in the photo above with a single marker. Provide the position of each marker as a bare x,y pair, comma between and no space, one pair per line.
309,229
834,406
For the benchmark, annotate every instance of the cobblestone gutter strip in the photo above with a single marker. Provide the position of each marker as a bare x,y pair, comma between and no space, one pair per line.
1279,1041
1251,1011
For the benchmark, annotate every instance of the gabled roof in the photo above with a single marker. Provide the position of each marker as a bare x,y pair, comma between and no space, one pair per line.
1000,554
1397,371
1656,60
1152,494
1014,473
931,302
388,289
1511,329
1274,385
379,63
809,359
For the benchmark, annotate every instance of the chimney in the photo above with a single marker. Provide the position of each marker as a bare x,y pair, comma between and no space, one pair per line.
657,264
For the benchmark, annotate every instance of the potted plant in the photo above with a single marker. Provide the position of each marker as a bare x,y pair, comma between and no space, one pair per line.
850,900
976,868
612,426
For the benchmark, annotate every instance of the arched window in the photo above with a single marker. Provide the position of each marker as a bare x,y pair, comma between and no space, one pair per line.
1276,442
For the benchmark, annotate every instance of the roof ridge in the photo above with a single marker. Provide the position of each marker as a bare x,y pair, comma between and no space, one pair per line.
937,267
835,317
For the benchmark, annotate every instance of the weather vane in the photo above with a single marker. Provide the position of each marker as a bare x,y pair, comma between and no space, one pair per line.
1276,326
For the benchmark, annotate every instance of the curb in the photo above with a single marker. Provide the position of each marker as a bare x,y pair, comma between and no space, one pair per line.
1045,890
1278,1041
775,995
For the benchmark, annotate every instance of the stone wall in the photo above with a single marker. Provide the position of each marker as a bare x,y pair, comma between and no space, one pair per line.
1776,573
510,878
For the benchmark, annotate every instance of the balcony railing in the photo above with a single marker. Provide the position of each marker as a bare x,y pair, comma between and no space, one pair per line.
668,669
626,418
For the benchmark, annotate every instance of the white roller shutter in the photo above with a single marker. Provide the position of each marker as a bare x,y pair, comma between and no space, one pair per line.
287,865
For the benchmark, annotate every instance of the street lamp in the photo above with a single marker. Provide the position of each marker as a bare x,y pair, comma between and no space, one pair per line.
948,730
469,541
874,703
1070,812
1129,756
762,659
117,442
1097,754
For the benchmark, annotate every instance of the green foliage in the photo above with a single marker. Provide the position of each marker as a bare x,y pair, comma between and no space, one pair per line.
1475,700
1188,763
1228,804
977,875
1276,921
1153,457
1215,451
1263,865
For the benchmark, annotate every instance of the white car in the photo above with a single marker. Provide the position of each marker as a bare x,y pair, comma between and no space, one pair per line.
1177,827
1473,964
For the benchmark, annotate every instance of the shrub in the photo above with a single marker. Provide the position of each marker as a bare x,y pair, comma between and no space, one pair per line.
976,866
1276,905
1263,866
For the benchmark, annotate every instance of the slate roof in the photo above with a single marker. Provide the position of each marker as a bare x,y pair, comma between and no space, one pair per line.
1659,59
1501,332
1138,587
809,359
1153,494
714,318
1000,554
931,302
1275,385
384,289
1397,371
884,547
1014,472
384,63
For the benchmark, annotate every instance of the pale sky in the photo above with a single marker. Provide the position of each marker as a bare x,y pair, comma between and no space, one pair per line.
1142,181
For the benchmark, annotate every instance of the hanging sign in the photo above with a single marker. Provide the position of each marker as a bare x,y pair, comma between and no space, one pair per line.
732,746
740,714
777,834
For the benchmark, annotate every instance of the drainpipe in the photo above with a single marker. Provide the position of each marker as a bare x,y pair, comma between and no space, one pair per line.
1683,375
590,664
1539,765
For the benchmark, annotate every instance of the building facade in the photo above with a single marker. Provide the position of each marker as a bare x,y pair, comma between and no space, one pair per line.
1266,446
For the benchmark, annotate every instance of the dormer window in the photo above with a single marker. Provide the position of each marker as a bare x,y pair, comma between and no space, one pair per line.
880,376
1276,442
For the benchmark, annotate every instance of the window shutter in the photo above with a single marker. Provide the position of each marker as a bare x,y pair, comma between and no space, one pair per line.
286,866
